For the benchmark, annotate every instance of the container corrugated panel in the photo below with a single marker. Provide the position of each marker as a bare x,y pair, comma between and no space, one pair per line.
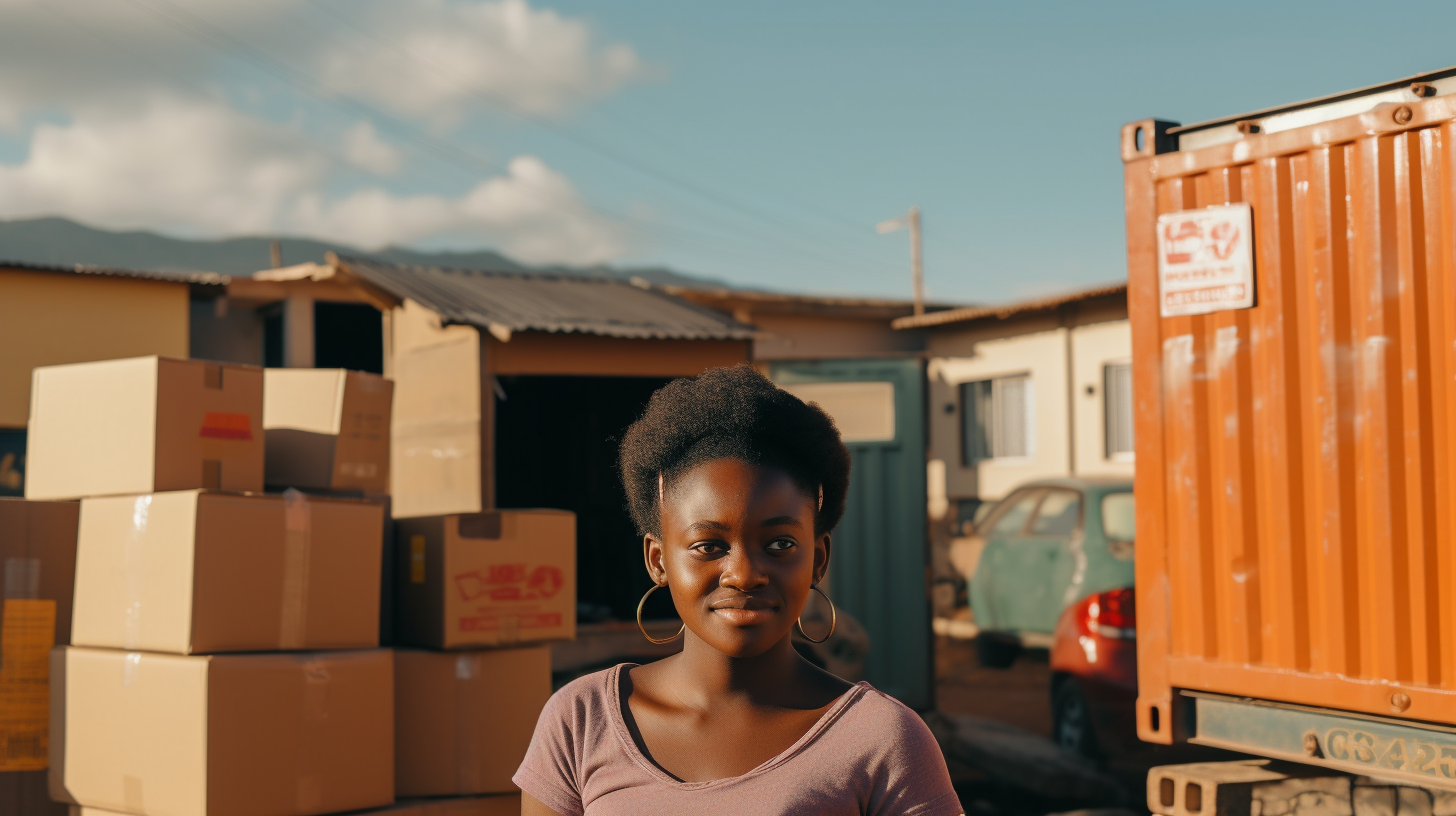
1296,473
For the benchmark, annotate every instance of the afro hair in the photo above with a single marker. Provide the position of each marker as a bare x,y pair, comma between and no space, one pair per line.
732,413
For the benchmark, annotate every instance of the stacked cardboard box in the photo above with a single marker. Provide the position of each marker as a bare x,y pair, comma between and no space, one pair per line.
197,682
480,594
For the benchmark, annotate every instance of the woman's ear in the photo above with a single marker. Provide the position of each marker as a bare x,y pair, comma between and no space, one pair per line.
822,545
652,556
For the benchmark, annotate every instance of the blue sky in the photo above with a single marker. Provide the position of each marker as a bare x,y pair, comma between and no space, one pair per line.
753,142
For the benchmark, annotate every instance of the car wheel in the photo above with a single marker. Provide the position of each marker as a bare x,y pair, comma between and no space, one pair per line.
1072,721
996,653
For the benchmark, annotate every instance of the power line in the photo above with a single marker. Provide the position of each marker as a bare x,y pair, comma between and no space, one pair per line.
200,29
630,162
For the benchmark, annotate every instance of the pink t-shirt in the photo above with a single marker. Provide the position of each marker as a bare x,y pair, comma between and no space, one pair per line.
868,754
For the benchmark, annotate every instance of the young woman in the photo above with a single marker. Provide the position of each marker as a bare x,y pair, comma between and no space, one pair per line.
735,486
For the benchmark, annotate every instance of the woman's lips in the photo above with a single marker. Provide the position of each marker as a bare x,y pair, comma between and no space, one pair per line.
744,611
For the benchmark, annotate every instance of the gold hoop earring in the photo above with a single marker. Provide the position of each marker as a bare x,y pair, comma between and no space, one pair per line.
650,638
833,618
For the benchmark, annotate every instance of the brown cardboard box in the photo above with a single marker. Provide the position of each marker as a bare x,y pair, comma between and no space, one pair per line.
463,720
227,735
502,805
326,429
26,794
486,579
193,572
143,425
438,427
37,566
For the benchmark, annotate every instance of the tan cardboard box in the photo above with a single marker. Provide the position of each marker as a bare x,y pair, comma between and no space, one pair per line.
486,579
26,794
326,429
194,572
438,430
143,425
37,566
502,805
463,720
226,735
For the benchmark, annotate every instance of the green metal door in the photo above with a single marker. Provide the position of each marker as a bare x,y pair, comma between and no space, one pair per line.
877,571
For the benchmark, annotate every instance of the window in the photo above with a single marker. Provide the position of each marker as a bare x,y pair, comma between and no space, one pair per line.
1011,520
996,419
1118,517
1058,514
1117,408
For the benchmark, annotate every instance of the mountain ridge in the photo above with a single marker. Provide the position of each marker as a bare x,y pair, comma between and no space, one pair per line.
60,241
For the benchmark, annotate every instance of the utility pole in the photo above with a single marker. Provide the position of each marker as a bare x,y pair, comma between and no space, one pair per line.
917,276
275,254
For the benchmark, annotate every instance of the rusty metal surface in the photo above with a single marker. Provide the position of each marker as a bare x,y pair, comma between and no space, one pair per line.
169,276
522,301
1297,461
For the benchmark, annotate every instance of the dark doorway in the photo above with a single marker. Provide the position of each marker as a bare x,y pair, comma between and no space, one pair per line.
556,444
348,335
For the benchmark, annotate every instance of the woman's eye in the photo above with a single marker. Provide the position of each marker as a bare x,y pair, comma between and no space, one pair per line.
781,544
709,547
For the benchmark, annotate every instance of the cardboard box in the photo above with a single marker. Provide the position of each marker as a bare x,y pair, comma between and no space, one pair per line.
326,429
439,427
194,572
37,567
26,794
463,720
143,425
225,735
486,579
501,805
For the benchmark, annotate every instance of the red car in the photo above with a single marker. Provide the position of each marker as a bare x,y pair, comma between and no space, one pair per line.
1094,676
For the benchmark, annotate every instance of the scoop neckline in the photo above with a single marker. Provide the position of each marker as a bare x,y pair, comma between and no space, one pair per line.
619,724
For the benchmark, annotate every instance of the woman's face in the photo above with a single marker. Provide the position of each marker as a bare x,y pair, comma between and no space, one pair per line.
738,553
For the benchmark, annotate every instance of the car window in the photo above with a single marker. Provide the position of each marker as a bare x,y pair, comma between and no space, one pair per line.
1118,518
1058,514
1013,512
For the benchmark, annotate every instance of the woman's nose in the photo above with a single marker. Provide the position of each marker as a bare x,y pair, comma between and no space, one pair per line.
741,571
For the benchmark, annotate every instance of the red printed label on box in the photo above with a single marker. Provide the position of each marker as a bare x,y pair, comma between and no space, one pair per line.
510,582
223,425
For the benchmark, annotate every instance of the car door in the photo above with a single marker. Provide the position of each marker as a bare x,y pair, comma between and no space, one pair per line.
993,581
1044,561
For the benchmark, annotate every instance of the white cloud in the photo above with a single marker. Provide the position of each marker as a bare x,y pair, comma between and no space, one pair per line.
208,169
441,57
364,149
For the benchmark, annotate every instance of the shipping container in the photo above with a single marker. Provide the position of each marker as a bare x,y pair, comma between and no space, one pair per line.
1292,289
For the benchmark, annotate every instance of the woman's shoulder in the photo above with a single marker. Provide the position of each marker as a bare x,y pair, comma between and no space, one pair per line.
590,694
896,727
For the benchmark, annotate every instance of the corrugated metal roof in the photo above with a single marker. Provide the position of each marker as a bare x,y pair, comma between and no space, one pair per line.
195,278
1008,310
519,301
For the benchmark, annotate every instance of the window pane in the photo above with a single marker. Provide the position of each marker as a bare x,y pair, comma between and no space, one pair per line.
1010,397
1058,514
975,417
1117,404
1118,518
1013,519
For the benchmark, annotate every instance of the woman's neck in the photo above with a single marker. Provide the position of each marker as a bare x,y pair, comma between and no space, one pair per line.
708,678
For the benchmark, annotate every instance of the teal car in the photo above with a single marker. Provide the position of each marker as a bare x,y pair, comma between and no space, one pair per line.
1048,545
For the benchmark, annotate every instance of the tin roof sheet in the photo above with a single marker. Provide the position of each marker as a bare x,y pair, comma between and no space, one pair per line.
520,301
170,276
1007,310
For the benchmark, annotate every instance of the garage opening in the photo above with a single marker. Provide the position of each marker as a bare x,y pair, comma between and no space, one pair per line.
556,444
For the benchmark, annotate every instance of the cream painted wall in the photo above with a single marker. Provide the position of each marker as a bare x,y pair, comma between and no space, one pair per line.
1093,347
1042,355
54,318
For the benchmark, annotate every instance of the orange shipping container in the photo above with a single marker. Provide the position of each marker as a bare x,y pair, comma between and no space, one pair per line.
1296,457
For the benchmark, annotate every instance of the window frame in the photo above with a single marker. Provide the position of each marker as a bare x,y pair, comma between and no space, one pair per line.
1130,454
969,410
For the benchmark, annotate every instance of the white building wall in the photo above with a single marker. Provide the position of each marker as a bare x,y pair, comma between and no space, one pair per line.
1093,348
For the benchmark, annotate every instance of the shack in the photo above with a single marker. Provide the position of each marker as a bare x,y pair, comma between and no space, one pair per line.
51,315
